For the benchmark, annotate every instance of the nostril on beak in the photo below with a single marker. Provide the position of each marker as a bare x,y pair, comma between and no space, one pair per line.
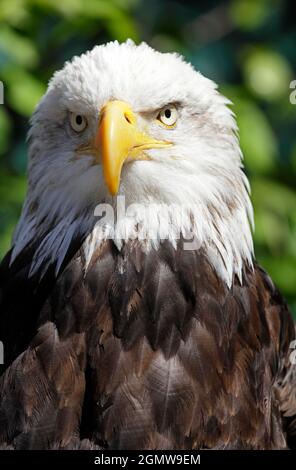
127,118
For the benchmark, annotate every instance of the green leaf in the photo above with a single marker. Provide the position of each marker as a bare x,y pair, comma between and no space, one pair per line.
66,8
282,271
19,49
120,25
274,195
14,12
267,74
275,216
12,194
293,156
6,233
23,90
12,189
257,139
5,130
249,14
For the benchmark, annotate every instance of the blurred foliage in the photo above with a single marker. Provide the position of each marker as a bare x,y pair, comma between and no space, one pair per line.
246,46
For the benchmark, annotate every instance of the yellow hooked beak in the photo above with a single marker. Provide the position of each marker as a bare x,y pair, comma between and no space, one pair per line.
119,138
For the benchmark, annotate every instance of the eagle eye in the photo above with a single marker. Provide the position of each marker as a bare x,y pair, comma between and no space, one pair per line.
78,122
168,115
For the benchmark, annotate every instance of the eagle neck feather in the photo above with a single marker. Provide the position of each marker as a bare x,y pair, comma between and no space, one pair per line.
223,233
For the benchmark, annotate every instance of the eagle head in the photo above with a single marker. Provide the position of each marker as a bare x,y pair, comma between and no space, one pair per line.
126,121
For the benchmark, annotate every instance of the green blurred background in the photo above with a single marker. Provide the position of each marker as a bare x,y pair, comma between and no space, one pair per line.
247,46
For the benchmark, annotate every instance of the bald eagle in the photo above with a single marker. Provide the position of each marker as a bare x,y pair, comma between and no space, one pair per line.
133,312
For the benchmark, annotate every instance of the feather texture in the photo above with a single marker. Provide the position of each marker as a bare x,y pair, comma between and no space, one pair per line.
148,350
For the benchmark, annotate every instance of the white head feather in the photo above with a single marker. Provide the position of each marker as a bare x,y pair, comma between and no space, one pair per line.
201,172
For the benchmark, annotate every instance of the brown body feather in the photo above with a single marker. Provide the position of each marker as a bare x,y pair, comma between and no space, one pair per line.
145,351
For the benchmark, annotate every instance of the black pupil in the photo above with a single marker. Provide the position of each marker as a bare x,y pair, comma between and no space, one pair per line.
168,113
79,120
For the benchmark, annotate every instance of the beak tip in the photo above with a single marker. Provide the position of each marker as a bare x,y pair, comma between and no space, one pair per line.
113,188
